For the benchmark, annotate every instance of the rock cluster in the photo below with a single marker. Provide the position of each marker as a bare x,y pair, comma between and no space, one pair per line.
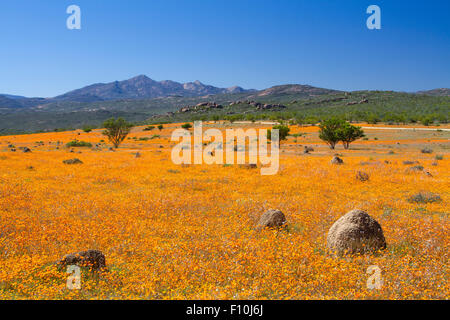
356,102
201,107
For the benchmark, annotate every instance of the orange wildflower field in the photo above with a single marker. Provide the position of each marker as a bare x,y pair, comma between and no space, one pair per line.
188,232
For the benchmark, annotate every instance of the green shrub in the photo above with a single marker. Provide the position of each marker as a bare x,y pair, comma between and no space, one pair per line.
283,132
186,126
149,128
87,129
77,143
417,168
426,121
425,197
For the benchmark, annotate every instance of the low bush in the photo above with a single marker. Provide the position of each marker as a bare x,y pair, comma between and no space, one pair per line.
425,197
77,143
283,132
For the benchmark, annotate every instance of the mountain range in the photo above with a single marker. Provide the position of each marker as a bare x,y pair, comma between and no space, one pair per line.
137,88
143,100
142,87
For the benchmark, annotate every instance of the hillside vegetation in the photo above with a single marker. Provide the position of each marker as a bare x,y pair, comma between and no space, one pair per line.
303,104
368,106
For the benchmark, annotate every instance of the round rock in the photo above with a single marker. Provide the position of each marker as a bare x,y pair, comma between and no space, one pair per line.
272,219
356,232
337,160
94,259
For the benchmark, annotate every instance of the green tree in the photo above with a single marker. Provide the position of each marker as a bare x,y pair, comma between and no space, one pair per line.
160,127
372,118
87,129
349,133
116,130
283,132
229,118
250,117
186,126
427,120
329,131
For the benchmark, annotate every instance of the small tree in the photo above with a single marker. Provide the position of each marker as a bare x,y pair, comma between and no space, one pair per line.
349,133
87,129
426,121
160,127
283,132
372,118
116,130
186,126
329,131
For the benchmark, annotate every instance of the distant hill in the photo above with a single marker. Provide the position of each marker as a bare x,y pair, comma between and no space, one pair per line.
368,106
291,89
443,92
6,102
290,103
143,100
142,87
10,96
17,102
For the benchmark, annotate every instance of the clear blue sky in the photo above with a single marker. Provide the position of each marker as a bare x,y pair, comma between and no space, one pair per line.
251,43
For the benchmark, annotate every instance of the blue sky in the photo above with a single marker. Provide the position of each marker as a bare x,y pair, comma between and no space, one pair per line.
251,43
